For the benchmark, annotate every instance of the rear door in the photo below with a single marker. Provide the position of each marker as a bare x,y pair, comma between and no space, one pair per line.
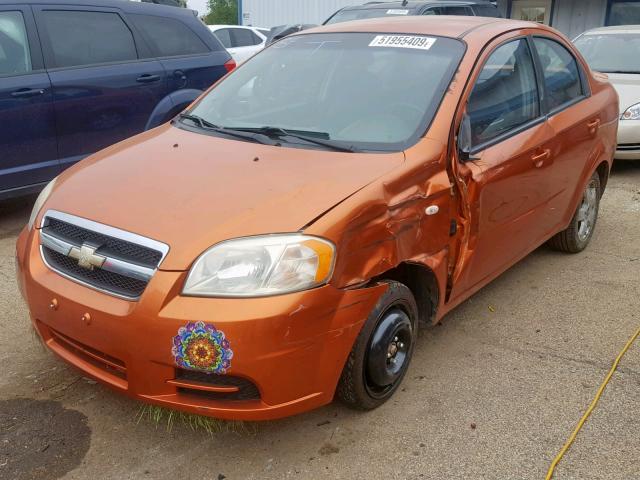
574,117
191,61
28,150
104,85
243,42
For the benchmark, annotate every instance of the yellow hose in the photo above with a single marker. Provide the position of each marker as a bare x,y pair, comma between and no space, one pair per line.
582,421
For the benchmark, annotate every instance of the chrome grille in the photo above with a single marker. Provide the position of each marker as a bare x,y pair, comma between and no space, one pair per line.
118,262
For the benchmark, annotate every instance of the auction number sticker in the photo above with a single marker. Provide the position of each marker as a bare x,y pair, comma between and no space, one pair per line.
403,41
395,11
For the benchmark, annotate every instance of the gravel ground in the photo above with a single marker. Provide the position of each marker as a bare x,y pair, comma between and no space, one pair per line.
492,393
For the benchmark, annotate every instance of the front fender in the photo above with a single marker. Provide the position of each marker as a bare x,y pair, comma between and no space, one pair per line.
173,102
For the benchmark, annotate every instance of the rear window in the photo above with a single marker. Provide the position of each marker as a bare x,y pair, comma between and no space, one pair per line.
363,13
78,38
169,37
370,91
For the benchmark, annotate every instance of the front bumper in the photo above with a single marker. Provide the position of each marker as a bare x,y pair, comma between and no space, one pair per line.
628,140
291,347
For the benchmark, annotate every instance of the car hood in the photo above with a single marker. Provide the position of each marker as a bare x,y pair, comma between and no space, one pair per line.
191,190
628,88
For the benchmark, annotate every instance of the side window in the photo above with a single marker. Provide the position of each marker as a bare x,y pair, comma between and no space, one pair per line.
486,11
169,37
78,38
505,95
561,77
15,57
224,35
243,37
465,11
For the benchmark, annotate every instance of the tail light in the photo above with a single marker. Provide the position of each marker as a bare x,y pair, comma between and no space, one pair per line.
230,65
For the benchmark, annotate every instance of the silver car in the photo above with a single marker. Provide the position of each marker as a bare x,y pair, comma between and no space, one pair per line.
616,52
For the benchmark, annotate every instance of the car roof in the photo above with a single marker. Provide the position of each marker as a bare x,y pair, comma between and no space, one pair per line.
125,5
615,29
413,5
438,25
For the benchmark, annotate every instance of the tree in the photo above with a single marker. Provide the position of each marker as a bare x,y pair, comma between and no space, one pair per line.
222,12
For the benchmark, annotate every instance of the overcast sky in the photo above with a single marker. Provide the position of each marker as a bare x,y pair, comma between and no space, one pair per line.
199,5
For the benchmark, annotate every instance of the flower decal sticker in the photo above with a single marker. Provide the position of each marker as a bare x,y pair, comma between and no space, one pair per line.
199,346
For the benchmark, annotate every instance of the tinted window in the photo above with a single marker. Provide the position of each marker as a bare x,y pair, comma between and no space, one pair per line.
242,37
224,35
364,89
611,52
79,38
561,75
624,12
169,37
465,11
14,47
486,11
362,13
505,95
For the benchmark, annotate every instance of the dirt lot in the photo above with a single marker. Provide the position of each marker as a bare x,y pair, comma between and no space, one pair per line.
492,393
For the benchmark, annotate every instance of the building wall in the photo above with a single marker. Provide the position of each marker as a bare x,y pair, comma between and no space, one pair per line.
572,17
271,13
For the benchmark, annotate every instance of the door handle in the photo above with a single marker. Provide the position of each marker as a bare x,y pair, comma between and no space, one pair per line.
538,160
27,92
147,78
593,125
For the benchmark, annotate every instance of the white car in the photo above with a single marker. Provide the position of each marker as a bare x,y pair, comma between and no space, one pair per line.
241,42
616,52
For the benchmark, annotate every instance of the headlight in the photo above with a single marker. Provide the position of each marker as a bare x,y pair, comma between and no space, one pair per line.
261,266
632,113
44,195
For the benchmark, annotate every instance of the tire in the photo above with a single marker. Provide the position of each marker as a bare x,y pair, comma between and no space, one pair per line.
372,374
578,235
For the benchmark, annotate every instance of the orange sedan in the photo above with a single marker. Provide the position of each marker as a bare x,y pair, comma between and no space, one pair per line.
279,243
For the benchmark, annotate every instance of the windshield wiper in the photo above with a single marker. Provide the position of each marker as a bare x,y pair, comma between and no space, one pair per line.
207,125
318,138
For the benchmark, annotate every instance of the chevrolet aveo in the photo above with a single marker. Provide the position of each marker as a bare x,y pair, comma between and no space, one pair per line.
280,242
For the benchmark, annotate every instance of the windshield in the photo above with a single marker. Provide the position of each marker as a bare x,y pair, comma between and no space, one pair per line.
367,91
611,52
362,13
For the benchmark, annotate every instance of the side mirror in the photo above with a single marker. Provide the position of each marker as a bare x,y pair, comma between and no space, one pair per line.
464,139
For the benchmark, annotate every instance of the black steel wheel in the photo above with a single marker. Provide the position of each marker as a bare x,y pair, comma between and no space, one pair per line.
382,352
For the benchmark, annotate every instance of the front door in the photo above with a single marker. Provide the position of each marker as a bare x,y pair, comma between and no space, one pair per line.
506,175
104,85
28,151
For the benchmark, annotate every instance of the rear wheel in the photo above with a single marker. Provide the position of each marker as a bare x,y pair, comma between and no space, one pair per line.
382,352
577,236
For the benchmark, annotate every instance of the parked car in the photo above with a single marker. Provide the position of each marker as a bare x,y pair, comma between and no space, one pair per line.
241,42
285,236
482,8
79,75
616,52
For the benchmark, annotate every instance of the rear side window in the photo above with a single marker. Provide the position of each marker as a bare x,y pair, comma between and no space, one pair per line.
505,95
224,35
465,11
169,37
561,77
486,11
79,38
15,57
242,37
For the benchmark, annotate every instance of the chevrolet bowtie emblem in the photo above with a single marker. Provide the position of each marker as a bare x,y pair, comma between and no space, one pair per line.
86,257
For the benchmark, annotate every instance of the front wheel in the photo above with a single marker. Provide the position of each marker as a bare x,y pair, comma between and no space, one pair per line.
382,352
577,236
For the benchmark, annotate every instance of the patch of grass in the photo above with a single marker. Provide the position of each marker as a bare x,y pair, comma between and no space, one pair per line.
160,416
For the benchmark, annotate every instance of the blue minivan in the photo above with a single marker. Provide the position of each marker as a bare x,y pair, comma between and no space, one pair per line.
79,75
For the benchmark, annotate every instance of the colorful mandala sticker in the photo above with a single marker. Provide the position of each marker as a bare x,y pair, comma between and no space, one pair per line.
199,346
